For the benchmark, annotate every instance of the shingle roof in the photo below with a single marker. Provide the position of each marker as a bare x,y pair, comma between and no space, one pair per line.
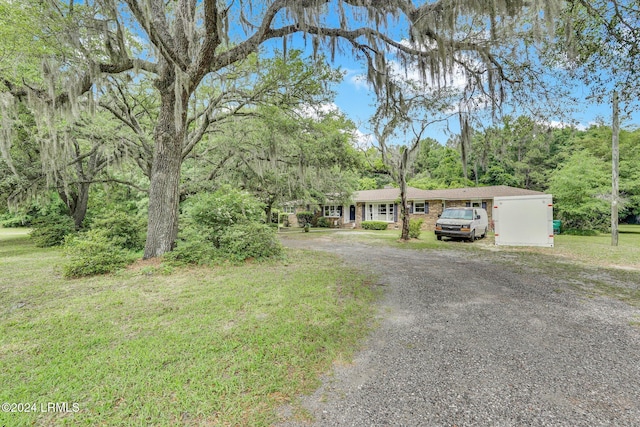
469,193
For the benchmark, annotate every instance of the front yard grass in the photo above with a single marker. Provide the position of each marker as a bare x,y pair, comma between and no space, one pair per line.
193,346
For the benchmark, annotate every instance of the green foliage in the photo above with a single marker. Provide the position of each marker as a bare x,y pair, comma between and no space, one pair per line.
366,183
123,227
374,225
213,212
225,225
305,218
94,252
415,228
240,242
323,222
10,220
50,230
579,232
192,248
580,188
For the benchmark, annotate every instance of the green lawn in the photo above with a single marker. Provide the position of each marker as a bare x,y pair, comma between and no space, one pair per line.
597,250
150,346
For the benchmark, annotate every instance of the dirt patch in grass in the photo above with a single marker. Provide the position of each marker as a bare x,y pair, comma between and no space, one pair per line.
145,263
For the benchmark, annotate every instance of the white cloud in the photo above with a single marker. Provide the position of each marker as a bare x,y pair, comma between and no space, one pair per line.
557,124
317,111
358,79
363,140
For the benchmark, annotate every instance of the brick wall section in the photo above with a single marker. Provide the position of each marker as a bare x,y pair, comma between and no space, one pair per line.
435,210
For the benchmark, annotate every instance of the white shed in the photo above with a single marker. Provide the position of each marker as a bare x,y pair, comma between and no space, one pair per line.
523,220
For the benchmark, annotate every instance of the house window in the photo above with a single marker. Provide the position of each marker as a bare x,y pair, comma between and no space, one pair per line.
332,211
421,207
379,212
288,209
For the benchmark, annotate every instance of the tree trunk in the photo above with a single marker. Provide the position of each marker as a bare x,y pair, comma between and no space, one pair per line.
82,201
76,203
268,208
403,206
615,157
164,190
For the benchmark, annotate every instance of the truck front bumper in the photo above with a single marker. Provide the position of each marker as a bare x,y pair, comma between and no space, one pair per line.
459,234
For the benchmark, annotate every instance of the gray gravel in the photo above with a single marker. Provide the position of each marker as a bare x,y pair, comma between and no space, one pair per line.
480,339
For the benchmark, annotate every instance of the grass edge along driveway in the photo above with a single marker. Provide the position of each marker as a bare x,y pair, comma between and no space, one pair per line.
148,346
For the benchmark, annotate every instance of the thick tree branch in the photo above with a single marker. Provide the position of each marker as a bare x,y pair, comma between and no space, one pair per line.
157,29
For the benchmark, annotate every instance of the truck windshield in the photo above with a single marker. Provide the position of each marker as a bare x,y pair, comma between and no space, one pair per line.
457,214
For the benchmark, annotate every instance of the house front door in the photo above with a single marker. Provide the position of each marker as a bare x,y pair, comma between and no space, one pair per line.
352,213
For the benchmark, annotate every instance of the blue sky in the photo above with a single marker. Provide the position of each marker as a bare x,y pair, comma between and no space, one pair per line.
355,98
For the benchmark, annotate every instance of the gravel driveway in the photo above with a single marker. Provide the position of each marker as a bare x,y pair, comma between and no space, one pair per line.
481,339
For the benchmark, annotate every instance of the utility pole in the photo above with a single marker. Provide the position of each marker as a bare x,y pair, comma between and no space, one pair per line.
615,159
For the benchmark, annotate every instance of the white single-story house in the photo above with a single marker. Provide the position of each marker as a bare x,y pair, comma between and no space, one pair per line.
384,204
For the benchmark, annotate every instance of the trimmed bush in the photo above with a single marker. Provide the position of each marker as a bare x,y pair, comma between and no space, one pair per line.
415,228
50,230
251,240
94,253
305,218
374,225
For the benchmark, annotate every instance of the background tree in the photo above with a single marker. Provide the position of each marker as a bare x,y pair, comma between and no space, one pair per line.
281,157
405,116
599,34
579,188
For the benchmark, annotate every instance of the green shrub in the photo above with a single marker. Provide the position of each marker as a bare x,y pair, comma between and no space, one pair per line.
9,220
192,248
214,212
50,230
305,218
374,225
225,225
251,240
324,222
415,228
579,232
122,226
94,253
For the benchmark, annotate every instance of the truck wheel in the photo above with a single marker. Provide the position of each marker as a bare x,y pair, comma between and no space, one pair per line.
484,234
439,237
472,236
